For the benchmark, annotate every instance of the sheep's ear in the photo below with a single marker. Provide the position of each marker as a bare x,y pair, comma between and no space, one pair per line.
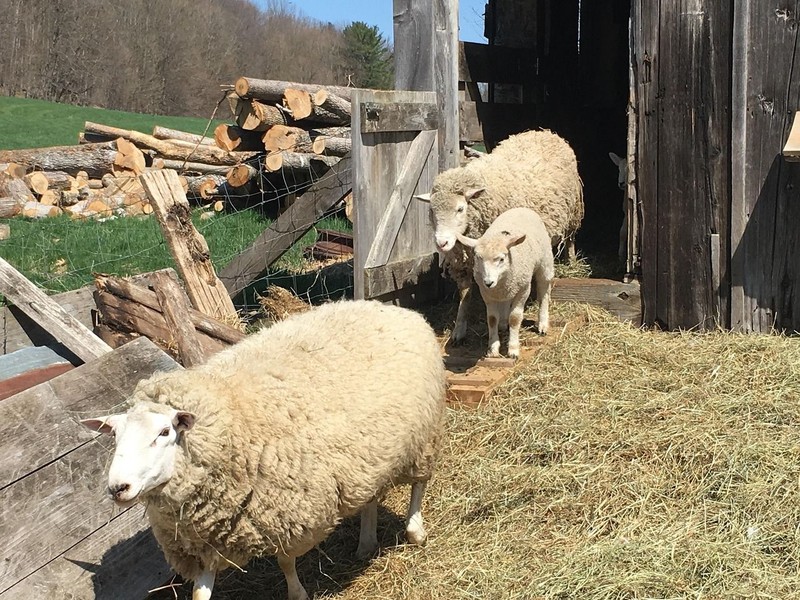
468,242
472,193
104,425
423,197
614,158
515,239
182,420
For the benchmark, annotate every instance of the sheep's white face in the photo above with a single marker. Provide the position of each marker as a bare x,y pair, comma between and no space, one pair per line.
146,444
622,169
450,215
492,256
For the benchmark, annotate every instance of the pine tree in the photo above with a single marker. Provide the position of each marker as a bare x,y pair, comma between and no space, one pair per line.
366,57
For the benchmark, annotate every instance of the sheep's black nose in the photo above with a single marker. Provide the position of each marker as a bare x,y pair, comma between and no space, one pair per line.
116,490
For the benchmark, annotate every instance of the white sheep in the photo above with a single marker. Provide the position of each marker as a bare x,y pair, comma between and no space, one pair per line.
513,251
622,182
534,169
267,446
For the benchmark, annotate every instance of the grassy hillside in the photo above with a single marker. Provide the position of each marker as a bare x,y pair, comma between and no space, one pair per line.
28,123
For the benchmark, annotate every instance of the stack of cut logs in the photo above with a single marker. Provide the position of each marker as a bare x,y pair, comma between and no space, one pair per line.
284,136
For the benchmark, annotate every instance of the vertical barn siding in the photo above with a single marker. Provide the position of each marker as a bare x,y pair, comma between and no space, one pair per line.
683,61
765,269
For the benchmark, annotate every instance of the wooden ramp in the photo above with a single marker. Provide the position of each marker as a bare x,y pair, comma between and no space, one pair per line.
60,537
472,378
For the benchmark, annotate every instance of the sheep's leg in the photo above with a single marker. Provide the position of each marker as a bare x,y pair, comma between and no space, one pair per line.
203,585
515,317
368,536
571,255
296,589
493,310
544,285
460,328
415,529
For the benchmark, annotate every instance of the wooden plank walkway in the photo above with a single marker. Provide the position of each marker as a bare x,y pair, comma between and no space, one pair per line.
472,377
61,538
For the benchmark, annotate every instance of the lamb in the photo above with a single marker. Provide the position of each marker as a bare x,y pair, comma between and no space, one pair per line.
267,446
534,169
514,250
622,182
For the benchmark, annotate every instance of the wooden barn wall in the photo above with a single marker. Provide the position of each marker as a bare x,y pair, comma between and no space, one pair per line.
682,58
765,262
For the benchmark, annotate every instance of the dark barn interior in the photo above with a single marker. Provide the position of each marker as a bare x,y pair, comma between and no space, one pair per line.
572,79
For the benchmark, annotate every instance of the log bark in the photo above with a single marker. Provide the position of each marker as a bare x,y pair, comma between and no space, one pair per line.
231,137
296,161
183,151
95,159
320,107
9,207
58,180
334,145
127,290
253,115
11,187
165,133
183,166
271,90
205,186
174,307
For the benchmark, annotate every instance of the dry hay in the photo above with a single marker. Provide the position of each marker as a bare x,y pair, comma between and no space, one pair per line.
614,464
277,303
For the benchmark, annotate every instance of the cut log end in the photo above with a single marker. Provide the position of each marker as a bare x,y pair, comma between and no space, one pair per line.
299,102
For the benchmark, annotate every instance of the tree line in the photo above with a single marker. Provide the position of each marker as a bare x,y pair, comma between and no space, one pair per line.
172,57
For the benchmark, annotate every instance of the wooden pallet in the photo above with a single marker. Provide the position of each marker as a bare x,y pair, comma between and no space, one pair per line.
472,377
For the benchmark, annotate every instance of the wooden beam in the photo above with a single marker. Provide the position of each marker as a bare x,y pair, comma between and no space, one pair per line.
406,116
445,74
288,228
175,309
65,328
187,245
395,211
402,275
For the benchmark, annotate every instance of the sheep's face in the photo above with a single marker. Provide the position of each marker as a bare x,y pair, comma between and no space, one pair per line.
146,445
450,211
622,169
492,256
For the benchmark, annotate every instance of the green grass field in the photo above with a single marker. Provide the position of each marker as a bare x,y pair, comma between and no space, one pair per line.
60,254
28,123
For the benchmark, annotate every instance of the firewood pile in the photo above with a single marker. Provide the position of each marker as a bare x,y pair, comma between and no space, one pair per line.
281,137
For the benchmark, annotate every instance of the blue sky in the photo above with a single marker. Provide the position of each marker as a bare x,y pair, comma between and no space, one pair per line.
379,12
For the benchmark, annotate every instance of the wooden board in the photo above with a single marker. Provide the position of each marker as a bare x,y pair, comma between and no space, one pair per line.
472,377
50,315
621,299
52,483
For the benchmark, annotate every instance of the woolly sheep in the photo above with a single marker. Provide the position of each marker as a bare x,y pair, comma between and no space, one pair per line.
267,446
513,251
534,169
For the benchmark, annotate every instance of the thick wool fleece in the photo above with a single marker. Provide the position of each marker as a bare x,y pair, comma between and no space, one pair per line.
534,169
297,427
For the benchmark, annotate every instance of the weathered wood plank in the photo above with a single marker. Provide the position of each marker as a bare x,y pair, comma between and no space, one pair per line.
121,560
387,117
60,324
445,66
394,277
40,425
128,288
188,248
20,331
253,262
395,211
377,162
764,246
494,64
414,46
175,310
621,299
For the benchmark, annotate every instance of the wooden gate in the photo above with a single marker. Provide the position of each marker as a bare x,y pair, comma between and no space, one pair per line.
395,156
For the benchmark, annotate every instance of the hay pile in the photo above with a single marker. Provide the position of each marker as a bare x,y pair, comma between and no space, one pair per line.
614,464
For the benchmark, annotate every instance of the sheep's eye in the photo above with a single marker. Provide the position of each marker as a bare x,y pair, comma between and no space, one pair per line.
164,432
460,209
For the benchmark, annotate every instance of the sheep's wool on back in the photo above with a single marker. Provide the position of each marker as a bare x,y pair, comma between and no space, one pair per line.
297,426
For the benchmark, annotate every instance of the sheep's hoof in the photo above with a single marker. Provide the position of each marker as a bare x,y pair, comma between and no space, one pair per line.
416,535
513,353
493,354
